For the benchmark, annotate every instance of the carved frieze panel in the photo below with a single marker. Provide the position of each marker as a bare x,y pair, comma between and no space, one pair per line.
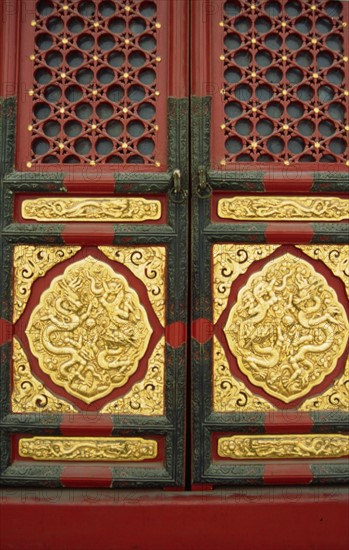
90,328
284,328
88,449
299,446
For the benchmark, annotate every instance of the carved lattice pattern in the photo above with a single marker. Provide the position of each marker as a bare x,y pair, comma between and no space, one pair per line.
284,75
95,72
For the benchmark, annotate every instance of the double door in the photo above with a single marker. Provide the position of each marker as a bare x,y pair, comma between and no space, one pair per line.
174,243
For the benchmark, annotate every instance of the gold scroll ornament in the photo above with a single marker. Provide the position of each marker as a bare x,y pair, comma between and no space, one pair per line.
287,328
101,209
86,449
30,263
89,330
230,261
148,263
29,394
284,208
229,393
300,446
146,398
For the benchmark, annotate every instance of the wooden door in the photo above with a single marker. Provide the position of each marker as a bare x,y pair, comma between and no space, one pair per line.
270,242
93,243
106,155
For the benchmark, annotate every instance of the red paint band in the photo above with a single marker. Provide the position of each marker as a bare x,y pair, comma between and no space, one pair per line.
202,330
90,185
288,422
282,183
87,476
87,424
86,234
176,334
287,474
6,330
286,233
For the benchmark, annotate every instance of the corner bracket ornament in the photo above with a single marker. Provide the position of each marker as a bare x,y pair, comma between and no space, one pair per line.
111,449
287,328
89,330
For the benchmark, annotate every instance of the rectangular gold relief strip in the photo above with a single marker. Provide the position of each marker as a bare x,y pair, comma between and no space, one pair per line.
284,208
100,209
110,449
299,446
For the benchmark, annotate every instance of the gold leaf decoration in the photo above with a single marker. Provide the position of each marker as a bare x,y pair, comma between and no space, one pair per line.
30,263
299,446
230,394
287,328
284,208
333,399
133,449
29,394
230,261
336,257
100,209
149,265
89,330
146,398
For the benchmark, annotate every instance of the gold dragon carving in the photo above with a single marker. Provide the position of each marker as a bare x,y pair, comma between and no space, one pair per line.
89,330
101,209
146,398
287,328
252,447
29,394
30,263
230,394
284,208
230,261
148,264
86,449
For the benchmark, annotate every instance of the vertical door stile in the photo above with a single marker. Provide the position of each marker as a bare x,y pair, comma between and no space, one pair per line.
94,238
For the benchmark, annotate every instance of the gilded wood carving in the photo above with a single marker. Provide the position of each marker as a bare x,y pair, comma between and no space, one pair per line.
146,398
30,263
230,261
299,446
230,394
284,208
287,328
29,394
101,209
89,330
86,448
149,265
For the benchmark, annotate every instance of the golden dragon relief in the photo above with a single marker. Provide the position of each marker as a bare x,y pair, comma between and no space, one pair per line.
284,208
100,209
30,263
110,449
230,261
89,330
29,394
300,446
287,328
148,263
230,394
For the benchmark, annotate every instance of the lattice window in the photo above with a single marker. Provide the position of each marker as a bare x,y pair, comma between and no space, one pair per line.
95,82
284,78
